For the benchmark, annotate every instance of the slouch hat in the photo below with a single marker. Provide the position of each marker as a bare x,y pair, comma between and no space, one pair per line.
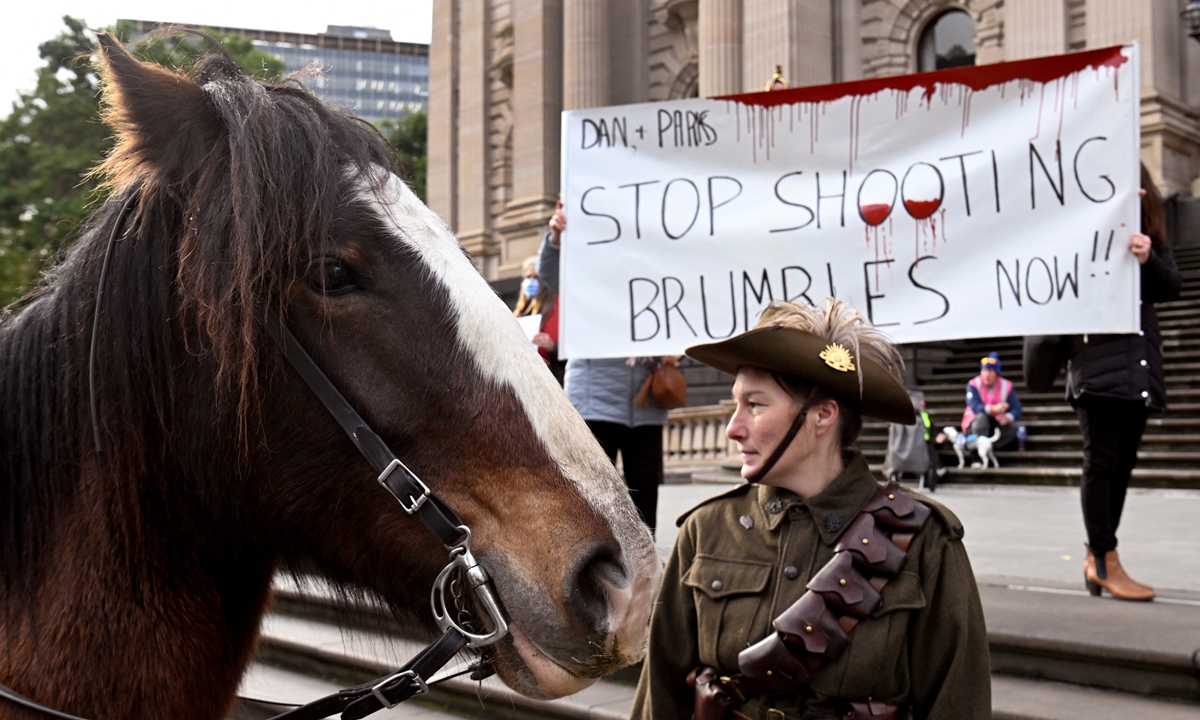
829,345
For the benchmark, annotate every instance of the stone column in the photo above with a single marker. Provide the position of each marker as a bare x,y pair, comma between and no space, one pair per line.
765,24
720,47
537,113
440,181
1170,133
810,44
630,78
585,54
1033,28
472,182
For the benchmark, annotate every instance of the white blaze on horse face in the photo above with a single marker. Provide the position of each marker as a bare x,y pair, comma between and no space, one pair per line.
489,333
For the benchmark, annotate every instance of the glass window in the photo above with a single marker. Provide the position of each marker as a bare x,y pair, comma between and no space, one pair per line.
947,42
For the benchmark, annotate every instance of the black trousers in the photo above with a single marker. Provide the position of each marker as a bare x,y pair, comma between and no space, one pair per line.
984,424
641,454
1112,431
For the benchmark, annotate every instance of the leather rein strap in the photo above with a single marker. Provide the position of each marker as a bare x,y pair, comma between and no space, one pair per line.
413,495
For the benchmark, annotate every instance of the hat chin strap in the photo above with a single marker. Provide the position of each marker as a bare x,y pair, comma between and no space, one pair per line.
782,447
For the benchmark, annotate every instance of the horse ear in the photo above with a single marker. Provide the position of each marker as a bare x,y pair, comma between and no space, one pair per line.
162,120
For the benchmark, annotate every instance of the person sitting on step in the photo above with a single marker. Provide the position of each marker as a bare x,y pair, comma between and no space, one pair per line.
991,403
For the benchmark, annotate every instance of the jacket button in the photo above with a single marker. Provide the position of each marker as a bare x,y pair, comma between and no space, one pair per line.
790,572
1143,363
717,585
746,521
1145,394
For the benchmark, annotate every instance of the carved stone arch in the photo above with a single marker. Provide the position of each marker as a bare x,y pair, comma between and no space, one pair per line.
672,45
891,32
925,17
687,82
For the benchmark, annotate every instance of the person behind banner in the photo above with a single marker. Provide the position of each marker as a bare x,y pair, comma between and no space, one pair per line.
811,591
538,298
603,391
992,403
1114,382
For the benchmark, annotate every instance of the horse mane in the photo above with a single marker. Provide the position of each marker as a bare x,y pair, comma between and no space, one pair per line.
240,182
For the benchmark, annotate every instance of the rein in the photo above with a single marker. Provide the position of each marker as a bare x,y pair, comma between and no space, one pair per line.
414,497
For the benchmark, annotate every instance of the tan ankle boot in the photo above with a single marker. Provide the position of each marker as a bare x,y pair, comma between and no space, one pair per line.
1108,574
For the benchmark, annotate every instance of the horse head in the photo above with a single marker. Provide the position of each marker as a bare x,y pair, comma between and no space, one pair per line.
219,466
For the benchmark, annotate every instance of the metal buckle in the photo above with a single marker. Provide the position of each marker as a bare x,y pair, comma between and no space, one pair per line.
417,502
774,714
481,587
414,679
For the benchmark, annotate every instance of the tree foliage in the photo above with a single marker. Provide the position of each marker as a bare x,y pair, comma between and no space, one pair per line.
53,138
409,136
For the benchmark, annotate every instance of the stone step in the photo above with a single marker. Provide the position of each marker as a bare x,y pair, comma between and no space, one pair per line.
1069,476
267,691
1059,458
1143,477
1069,443
1063,634
349,657
1176,356
1017,698
1164,423
1056,654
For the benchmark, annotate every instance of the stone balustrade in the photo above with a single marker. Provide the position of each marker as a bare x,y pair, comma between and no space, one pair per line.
696,435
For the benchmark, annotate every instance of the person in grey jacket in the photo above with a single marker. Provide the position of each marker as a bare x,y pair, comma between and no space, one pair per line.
602,390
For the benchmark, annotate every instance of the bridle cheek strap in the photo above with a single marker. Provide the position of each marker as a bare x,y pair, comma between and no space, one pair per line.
782,447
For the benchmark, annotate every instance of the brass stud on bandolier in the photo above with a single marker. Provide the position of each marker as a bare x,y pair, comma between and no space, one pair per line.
866,541
808,628
841,581
891,496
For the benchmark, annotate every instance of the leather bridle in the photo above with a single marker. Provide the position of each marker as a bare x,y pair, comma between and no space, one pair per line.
414,497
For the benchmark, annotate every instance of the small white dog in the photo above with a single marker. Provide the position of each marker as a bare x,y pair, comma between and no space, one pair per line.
981,444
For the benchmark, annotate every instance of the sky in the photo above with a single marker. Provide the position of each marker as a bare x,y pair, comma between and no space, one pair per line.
31,23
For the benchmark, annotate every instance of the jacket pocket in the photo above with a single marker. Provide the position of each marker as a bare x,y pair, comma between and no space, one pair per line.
902,593
728,596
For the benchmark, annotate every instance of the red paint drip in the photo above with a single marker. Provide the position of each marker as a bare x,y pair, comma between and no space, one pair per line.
920,209
875,213
977,78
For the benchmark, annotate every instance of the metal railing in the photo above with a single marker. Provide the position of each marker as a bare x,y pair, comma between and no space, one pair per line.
696,435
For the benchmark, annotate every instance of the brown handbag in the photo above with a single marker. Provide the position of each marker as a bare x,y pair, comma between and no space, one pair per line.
666,385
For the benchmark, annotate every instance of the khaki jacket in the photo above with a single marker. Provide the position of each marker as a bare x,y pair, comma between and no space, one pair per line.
745,556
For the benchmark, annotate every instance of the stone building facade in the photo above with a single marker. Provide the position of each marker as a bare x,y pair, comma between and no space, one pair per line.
501,72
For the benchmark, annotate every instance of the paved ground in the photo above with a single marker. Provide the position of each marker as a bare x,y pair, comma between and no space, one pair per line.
1018,534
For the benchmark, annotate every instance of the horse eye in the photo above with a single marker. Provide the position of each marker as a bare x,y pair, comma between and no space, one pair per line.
330,276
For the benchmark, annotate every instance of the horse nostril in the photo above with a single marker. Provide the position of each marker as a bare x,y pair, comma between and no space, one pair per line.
600,571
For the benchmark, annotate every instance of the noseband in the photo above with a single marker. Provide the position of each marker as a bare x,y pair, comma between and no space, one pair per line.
414,497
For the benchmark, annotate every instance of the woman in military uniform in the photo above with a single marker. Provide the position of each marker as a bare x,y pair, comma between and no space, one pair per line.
812,591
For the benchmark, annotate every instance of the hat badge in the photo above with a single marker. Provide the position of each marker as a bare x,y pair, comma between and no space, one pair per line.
838,358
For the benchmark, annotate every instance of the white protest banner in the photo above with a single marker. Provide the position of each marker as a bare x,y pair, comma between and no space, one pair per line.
973,202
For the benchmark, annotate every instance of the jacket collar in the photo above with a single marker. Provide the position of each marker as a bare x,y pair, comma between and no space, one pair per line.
832,510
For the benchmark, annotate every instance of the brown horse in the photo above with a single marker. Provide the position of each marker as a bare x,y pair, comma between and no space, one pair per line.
134,578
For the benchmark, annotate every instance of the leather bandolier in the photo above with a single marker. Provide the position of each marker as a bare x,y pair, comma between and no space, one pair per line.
816,628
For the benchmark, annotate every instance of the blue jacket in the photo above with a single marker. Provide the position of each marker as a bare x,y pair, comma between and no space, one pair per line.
602,389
